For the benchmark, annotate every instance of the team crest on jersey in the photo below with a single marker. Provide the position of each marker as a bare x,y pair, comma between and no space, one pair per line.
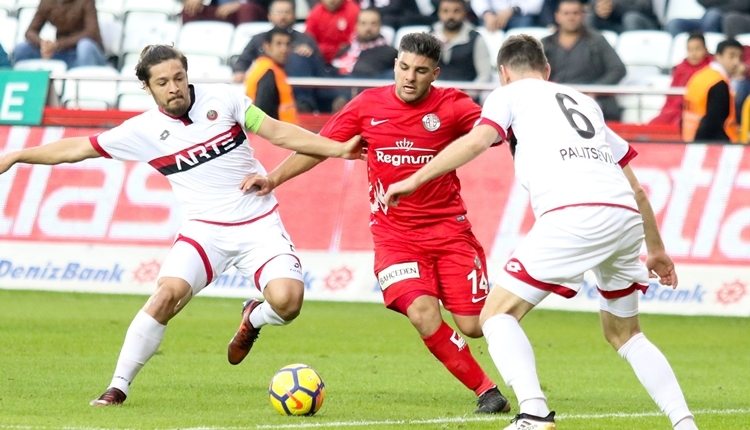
431,122
212,115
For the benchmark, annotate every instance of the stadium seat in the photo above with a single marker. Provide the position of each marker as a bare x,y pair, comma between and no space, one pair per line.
300,26
201,71
111,32
388,33
408,29
426,7
743,38
113,7
641,109
713,40
244,32
135,102
55,67
206,38
132,85
8,28
537,32
689,9
21,4
611,37
3,15
136,35
645,48
9,6
165,7
90,94
494,40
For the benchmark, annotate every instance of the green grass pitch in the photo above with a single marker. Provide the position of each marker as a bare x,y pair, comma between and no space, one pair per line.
58,351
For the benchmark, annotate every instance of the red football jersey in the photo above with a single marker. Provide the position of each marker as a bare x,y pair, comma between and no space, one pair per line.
401,138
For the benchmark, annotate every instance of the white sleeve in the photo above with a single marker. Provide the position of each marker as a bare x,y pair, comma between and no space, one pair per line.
122,142
238,103
621,150
496,112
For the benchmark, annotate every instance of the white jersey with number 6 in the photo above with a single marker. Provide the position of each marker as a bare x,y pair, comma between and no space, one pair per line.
564,154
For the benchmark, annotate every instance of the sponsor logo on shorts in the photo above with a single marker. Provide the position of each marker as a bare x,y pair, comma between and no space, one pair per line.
396,273
478,299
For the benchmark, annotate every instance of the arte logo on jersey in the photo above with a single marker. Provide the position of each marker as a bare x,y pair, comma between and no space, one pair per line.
431,122
396,273
201,153
383,155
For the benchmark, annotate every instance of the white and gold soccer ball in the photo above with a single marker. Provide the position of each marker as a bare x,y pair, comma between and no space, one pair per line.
297,389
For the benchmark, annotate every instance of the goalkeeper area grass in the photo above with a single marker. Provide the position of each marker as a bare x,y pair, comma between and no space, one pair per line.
58,352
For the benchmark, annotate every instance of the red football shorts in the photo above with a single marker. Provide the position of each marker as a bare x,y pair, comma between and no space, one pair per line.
453,269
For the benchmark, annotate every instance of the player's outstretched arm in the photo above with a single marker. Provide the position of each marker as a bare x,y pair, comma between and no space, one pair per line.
657,261
70,150
292,137
294,165
449,159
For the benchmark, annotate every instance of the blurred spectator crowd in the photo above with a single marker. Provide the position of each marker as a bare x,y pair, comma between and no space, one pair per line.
645,43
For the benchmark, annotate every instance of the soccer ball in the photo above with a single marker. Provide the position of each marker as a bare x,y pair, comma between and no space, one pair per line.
297,389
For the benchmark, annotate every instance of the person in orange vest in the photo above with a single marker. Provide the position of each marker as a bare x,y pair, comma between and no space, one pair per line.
708,110
266,83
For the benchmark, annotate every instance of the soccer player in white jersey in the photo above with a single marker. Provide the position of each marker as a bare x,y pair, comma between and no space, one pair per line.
196,138
591,214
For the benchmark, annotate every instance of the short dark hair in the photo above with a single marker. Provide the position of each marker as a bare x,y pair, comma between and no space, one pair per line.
373,9
579,2
422,44
697,35
522,52
729,43
268,37
462,2
157,54
291,2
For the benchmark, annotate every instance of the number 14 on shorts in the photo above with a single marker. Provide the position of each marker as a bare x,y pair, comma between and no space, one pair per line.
479,285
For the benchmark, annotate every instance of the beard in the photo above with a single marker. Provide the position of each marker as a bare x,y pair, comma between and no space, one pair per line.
453,25
177,110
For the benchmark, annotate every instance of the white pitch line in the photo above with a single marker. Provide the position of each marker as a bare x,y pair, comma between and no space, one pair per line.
336,424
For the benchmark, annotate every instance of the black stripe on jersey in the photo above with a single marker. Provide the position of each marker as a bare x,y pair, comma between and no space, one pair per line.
188,159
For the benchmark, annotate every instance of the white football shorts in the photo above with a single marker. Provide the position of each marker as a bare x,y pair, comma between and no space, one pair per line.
565,243
260,250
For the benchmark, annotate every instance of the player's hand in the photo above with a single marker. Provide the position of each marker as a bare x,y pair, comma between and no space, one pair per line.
659,264
6,162
354,149
193,7
227,9
303,50
398,190
603,8
259,184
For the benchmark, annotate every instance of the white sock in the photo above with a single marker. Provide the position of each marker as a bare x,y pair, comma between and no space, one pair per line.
264,314
511,351
141,342
657,377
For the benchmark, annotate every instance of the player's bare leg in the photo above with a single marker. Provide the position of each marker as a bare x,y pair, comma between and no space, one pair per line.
283,302
452,350
512,353
144,336
650,366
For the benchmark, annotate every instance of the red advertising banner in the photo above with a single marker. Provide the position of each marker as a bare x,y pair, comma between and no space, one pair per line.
700,193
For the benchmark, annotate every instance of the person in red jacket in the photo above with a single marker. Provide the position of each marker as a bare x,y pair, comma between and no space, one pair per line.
697,58
331,23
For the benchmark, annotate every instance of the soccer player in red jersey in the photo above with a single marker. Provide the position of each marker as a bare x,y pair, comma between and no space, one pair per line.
425,251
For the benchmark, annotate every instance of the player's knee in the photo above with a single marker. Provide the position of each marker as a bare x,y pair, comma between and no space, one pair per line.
162,303
618,338
474,331
285,298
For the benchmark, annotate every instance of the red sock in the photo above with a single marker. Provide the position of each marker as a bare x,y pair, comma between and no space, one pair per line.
452,350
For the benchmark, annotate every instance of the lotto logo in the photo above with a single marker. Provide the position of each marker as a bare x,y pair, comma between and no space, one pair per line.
514,266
